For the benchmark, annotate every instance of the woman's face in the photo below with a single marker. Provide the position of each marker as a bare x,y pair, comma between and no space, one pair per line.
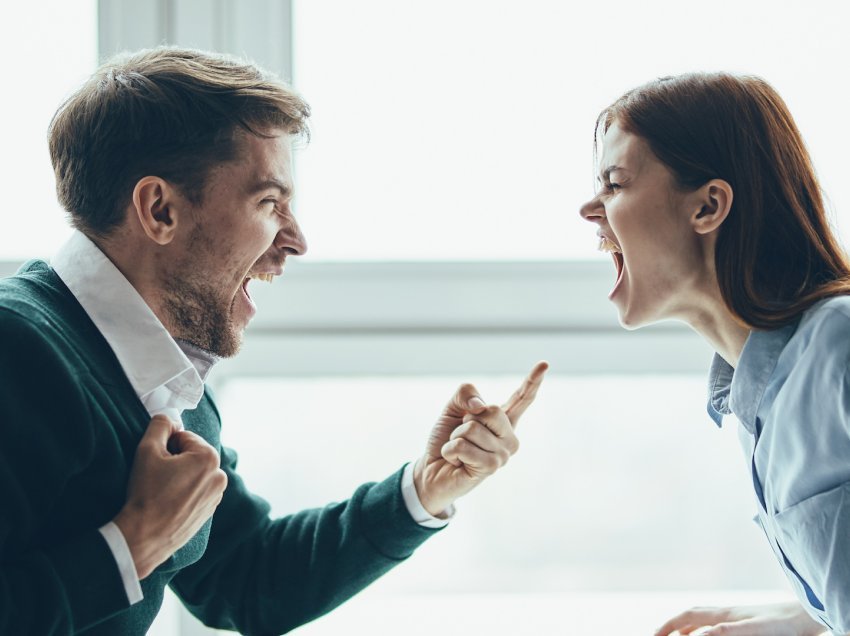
646,222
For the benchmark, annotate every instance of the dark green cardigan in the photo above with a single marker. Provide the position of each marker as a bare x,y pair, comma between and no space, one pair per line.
69,426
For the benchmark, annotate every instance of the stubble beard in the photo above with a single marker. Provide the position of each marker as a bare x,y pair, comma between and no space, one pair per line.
196,310
196,315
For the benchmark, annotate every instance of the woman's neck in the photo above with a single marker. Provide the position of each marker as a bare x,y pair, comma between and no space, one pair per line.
721,330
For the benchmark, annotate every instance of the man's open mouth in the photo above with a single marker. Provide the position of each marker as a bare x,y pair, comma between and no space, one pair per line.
265,277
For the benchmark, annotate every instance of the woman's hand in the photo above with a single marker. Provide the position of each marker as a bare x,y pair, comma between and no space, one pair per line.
780,619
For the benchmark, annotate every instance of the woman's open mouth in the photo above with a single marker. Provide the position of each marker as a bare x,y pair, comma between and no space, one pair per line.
608,245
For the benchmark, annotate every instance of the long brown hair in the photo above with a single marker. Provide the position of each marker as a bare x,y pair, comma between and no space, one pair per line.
776,253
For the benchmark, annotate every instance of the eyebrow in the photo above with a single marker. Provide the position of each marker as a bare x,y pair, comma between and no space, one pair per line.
285,190
606,174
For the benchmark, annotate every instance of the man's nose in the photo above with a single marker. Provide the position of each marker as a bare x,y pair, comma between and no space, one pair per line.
291,238
593,210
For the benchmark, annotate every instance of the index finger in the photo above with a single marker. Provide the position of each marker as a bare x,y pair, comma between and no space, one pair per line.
525,394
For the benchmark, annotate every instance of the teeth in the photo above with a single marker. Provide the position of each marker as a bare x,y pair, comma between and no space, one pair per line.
607,245
265,277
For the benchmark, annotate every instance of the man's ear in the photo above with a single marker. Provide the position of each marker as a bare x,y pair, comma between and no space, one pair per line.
713,201
157,205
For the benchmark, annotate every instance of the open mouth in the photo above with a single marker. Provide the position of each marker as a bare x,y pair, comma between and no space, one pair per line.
265,277
608,245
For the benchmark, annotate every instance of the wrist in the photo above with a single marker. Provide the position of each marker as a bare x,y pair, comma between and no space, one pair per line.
144,553
434,505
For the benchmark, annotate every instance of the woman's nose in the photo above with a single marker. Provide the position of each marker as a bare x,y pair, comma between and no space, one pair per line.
593,210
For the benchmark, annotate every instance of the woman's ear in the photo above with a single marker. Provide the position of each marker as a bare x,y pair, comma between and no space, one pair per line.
714,200
156,204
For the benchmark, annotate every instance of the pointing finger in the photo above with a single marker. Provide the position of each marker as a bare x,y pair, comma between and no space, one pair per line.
525,394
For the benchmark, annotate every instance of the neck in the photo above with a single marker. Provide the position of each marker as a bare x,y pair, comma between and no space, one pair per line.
706,311
709,316
138,266
725,334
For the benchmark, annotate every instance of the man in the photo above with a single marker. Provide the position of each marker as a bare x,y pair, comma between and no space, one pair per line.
175,168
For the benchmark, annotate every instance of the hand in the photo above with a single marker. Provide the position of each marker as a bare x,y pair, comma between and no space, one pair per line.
175,486
780,619
469,442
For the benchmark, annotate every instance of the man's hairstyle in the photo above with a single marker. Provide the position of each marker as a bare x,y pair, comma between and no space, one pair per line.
167,112
776,253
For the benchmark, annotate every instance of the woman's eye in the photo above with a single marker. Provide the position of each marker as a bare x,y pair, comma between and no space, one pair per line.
611,187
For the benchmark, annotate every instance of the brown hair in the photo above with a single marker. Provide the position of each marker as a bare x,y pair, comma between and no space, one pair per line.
776,253
169,112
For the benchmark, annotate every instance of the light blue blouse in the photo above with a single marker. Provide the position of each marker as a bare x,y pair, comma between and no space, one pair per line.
791,395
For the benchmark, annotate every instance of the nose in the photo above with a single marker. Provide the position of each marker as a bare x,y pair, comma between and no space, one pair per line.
593,210
290,238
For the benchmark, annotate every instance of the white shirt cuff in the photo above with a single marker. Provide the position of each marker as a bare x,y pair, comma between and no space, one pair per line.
415,507
124,558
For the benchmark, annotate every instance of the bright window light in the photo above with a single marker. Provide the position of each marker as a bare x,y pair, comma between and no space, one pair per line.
50,47
621,483
462,130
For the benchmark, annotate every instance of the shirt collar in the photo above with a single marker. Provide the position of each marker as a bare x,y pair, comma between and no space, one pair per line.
162,375
740,390
201,359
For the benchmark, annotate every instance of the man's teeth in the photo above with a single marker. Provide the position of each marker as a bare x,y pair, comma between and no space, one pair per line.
607,245
265,277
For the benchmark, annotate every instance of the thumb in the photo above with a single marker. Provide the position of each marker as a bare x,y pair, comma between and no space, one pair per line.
465,400
159,431
186,441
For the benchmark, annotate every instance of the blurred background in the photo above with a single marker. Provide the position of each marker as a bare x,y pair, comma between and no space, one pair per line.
451,149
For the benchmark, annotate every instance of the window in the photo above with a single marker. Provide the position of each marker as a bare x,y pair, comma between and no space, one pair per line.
37,79
463,130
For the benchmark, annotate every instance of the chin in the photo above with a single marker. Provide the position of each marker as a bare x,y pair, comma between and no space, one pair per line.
631,319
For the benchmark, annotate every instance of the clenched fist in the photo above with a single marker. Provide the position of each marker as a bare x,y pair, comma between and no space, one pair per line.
175,485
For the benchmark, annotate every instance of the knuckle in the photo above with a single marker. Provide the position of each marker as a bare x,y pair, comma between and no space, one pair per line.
474,427
220,480
514,448
466,387
492,462
209,458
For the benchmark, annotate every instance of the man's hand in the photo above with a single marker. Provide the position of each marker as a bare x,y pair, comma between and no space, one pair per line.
469,442
780,619
174,487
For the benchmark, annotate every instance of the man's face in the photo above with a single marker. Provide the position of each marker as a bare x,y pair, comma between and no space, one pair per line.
243,229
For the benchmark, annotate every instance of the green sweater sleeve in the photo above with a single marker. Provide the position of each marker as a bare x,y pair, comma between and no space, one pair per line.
49,583
262,576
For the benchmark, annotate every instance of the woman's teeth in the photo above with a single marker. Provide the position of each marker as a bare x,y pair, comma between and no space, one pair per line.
607,245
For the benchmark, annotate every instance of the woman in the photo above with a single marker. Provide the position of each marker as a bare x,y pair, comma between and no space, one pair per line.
714,216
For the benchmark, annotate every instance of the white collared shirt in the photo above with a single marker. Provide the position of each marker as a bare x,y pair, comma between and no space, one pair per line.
167,377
